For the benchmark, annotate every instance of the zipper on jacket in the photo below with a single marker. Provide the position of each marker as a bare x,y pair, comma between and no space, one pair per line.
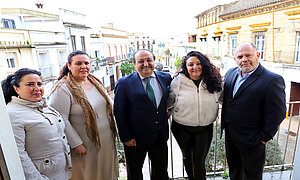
198,103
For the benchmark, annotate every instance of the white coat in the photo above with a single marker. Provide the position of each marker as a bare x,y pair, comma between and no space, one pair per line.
41,141
192,105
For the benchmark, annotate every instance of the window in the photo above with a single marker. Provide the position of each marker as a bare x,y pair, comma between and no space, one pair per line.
97,53
203,45
194,38
216,48
8,23
260,44
73,40
62,55
232,43
297,51
116,51
45,65
11,60
82,42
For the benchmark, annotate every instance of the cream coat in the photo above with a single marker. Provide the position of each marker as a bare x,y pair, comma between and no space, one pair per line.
192,106
41,141
102,165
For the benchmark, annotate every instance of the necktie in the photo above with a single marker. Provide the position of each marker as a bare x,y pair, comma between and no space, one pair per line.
150,91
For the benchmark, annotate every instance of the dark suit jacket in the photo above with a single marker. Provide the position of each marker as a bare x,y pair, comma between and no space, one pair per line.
136,115
257,109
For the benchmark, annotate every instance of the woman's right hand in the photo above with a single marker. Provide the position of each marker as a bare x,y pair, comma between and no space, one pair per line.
80,150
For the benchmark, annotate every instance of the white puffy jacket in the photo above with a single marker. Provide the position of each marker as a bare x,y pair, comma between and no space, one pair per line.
192,105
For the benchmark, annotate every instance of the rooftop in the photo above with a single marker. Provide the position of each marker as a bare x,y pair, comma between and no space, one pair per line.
242,5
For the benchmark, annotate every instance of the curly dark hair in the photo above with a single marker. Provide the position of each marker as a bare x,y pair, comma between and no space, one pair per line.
14,80
210,74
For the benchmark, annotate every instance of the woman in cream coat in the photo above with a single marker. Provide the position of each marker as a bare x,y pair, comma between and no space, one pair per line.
38,128
193,101
86,108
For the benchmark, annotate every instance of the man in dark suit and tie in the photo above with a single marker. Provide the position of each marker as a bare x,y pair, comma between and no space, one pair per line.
140,108
253,108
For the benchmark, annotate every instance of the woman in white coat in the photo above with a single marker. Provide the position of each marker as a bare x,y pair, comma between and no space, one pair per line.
193,101
38,128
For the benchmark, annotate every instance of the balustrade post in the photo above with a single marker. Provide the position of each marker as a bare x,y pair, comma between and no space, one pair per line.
10,163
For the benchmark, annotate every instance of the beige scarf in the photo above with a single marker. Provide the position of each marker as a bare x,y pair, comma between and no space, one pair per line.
88,111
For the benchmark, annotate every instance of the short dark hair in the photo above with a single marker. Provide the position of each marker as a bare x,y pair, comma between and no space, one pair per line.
143,50
14,80
210,74
65,70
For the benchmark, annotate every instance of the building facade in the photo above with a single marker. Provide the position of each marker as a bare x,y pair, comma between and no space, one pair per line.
43,36
272,25
15,51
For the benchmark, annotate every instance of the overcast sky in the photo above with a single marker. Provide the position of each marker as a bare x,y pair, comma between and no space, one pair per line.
153,17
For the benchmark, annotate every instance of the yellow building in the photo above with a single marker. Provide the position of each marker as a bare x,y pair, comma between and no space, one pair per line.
15,51
273,25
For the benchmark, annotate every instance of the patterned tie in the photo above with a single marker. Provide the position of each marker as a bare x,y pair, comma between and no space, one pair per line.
150,91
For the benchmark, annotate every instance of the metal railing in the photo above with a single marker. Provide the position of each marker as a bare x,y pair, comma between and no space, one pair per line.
286,139
288,143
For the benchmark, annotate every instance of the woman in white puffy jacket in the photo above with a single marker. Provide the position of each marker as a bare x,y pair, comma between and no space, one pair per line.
38,128
194,102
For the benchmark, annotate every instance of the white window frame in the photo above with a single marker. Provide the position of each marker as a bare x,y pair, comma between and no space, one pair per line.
218,46
45,66
233,39
297,50
203,45
260,45
62,55
11,60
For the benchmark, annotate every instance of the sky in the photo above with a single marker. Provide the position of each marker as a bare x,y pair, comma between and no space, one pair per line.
154,17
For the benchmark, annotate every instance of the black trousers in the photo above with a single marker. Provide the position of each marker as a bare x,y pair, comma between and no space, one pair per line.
194,143
245,163
158,155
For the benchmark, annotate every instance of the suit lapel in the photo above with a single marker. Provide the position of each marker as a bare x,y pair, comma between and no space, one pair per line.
138,85
162,85
232,78
159,79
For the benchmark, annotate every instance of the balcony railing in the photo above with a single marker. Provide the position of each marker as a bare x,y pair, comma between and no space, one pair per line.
280,151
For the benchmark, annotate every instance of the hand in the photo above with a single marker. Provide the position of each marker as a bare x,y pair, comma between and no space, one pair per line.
262,142
131,142
80,150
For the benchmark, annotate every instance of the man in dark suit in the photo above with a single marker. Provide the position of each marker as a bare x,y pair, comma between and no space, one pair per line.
253,108
140,108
